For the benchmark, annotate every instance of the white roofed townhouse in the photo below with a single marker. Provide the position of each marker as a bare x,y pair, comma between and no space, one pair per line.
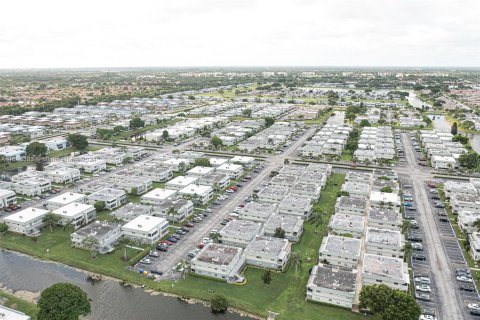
460,202
104,232
7,197
460,188
28,221
146,229
385,242
77,214
243,160
177,164
113,198
268,253
344,224
356,189
157,196
239,233
332,284
200,171
180,182
174,210
257,211
292,225
217,162
219,261
296,206
197,193
272,194
218,181
443,162
64,199
467,219
233,170
340,251
381,199
384,218
89,163
351,205
33,186
132,210
474,239
392,272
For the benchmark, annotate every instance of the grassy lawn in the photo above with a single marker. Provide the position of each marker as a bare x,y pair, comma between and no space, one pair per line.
12,302
346,155
286,293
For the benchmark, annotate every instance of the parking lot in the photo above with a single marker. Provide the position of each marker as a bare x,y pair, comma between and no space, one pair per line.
465,289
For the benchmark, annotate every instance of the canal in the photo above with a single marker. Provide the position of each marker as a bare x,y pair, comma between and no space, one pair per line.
110,299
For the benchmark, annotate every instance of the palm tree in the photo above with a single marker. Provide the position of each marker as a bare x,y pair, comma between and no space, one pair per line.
405,226
296,261
123,243
51,220
91,243
317,219
69,227
171,213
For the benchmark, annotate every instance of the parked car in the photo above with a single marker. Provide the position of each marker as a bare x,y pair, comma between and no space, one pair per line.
172,239
157,272
167,242
422,280
422,296
423,288
146,261
419,257
468,288
464,279
161,247
189,225
417,246
153,254
439,205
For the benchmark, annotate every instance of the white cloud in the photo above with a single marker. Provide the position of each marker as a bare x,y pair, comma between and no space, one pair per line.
107,33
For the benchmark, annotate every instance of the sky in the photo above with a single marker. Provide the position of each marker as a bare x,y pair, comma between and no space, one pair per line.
142,33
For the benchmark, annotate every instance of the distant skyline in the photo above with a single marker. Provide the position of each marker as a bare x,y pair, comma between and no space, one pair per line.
200,33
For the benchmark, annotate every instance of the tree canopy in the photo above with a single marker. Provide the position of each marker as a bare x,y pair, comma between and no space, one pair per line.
217,142
78,141
388,303
219,303
202,162
63,301
136,123
36,149
454,129
269,121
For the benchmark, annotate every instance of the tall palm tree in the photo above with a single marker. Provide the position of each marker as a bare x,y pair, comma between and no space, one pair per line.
171,213
296,261
50,220
405,226
317,219
91,243
69,227
477,224
123,243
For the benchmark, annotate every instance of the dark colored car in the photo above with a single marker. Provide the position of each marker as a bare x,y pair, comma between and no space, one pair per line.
154,271
468,287
162,248
419,257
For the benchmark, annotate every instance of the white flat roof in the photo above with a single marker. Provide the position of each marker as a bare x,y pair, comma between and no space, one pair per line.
182,181
230,167
26,215
196,189
160,194
67,197
144,223
201,170
72,209
5,192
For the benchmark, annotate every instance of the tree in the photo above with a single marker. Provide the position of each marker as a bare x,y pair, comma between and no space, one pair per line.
477,224
386,189
63,301
69,227
469,160
364,123
104,134
78,141
99,205
118,129
37,151
219,303
267,277
247,113
91,243
165,135
286,161
316,219
279,233
388,303
202,162
269,121
136,123
123,243
296,261
50,220
215,236
217,142
3,227
454,129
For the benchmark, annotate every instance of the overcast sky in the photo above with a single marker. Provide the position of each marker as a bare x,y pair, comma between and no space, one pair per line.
117,33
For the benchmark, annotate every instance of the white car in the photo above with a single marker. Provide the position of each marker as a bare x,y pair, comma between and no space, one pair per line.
464,279
423,288
473,306
427,317
423,280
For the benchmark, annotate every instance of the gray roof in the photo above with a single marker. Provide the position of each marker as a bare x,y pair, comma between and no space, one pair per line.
268,245
385,214
218,254
97,229
333,277
343,245
244,227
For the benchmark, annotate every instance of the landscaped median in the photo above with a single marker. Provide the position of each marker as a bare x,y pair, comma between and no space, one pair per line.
11,301
285,295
